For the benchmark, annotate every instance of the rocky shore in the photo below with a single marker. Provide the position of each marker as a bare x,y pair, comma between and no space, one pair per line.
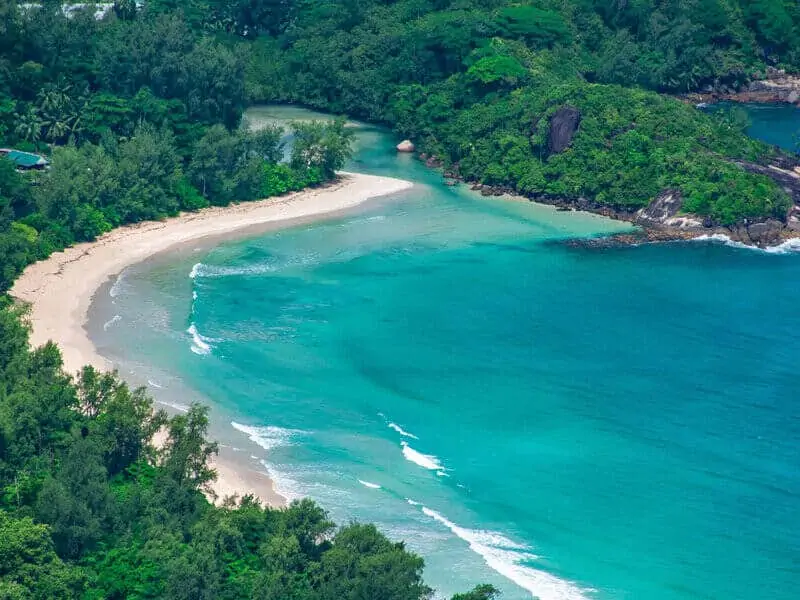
774,87
663,220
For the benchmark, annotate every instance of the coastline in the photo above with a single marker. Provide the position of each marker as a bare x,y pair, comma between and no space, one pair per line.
59,290
661,220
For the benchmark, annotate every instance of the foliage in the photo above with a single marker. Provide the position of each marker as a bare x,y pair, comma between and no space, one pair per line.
322,146
476,84
139,113
140,116
90,509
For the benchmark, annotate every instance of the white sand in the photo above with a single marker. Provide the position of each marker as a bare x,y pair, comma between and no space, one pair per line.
60,289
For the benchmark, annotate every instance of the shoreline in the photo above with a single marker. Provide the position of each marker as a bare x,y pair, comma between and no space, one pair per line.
60,289
661,220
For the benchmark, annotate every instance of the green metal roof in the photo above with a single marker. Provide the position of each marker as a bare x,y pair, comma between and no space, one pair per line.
26,160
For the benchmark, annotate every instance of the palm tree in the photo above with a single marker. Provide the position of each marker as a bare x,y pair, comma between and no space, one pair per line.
54,98
29,125
60,111
56,128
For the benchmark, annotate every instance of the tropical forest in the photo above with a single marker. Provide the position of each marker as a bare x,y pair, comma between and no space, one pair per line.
136,108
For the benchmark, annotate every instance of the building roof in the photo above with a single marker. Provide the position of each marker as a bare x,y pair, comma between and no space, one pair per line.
24,160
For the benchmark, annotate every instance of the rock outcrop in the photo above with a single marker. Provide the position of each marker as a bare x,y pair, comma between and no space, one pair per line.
775,86
768,233
785,173
563,125
665,206
663,212
406,146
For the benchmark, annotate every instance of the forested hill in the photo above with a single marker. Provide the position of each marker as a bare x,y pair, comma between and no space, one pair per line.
138,115
476,83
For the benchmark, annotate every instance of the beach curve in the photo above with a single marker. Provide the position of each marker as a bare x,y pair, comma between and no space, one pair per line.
59,290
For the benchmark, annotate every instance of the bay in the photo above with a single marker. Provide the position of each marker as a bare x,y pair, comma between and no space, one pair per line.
563,423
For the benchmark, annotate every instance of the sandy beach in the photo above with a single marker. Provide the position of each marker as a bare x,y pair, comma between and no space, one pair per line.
60,289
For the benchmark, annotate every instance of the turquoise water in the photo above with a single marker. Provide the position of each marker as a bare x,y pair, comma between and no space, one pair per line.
563,423
776,124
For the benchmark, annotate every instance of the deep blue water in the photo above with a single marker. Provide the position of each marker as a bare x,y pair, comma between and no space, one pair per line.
560,422
776,124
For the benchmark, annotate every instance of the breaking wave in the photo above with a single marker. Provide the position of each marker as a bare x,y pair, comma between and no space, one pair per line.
284,485
118,286
787,247
271,265
200,344
209,272
401,431
511,560
176,405
270,436
372,486
111,321
426,461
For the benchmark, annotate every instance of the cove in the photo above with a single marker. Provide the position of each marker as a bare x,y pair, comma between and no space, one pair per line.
560,422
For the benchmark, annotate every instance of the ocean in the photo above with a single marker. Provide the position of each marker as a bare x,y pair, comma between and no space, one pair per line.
561,422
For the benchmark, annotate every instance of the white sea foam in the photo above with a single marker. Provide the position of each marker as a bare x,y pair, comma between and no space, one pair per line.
200,344
401,431
209,272
152,383
176,405
118,286
512,561
111,321
268,437
259,268
372,486
426,461
413,502
284,485
787,247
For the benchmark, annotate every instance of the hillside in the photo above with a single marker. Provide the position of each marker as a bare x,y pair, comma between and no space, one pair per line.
477,84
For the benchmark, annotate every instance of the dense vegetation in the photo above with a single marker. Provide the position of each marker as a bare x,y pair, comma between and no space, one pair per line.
139,112
89,509
475,82
139,115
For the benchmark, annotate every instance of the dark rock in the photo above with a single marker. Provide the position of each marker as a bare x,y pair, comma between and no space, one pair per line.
433,162
563,125
784,170
665,206
767,233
